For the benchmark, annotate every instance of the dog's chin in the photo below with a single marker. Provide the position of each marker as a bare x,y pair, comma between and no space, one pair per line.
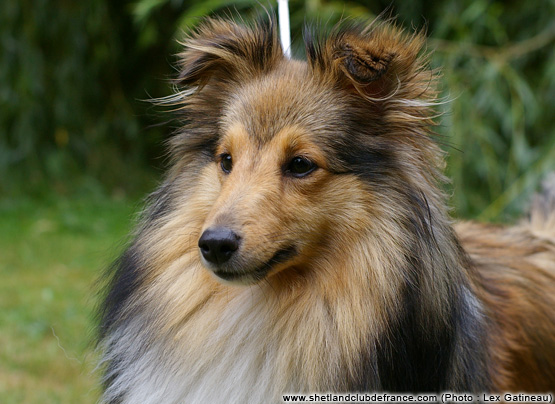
245,276
238,278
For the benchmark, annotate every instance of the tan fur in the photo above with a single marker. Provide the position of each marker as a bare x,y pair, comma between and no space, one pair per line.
516,282
375,252
312,286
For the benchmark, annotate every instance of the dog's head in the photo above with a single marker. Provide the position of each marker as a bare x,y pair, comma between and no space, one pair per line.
300,157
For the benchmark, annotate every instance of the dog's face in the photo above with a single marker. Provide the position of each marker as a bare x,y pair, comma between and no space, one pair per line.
297,150
278,188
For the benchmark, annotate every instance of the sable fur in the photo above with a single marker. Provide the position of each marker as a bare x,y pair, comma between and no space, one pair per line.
377,290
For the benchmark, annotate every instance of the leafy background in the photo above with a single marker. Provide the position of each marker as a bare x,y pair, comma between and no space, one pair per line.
79,146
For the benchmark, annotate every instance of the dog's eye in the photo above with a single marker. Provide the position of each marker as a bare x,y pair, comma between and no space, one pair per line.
299,167
226,163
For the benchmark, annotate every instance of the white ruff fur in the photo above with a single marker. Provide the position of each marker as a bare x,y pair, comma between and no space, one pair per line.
232,365
194,340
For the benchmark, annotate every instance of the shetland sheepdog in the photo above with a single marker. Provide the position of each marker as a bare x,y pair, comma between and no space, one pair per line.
300,241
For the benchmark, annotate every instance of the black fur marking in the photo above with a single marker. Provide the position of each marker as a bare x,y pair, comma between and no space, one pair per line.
125,281
159,202
313,47
310,44
423,350
415,353
374,162
374,165
266,42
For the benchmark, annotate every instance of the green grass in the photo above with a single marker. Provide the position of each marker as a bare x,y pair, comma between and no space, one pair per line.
51,254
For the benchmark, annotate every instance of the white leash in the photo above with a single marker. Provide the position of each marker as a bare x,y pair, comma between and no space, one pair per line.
284,30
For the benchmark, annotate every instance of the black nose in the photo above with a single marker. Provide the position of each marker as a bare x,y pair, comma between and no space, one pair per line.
218,244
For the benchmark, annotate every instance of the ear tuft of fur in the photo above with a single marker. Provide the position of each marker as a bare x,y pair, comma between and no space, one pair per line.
378,61
361,65
225,50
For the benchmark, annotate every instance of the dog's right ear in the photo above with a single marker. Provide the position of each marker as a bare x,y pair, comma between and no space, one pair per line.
227,52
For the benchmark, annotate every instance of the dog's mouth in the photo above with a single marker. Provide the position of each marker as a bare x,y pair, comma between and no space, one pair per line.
281,256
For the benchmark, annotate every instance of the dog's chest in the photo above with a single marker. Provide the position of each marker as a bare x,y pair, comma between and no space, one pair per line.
228,356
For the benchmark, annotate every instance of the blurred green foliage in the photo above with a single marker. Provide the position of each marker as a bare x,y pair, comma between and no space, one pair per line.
73,74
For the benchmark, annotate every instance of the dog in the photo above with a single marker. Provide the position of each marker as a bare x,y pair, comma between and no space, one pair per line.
300,241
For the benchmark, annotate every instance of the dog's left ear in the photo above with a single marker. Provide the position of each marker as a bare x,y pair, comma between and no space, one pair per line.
379,62
228,52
